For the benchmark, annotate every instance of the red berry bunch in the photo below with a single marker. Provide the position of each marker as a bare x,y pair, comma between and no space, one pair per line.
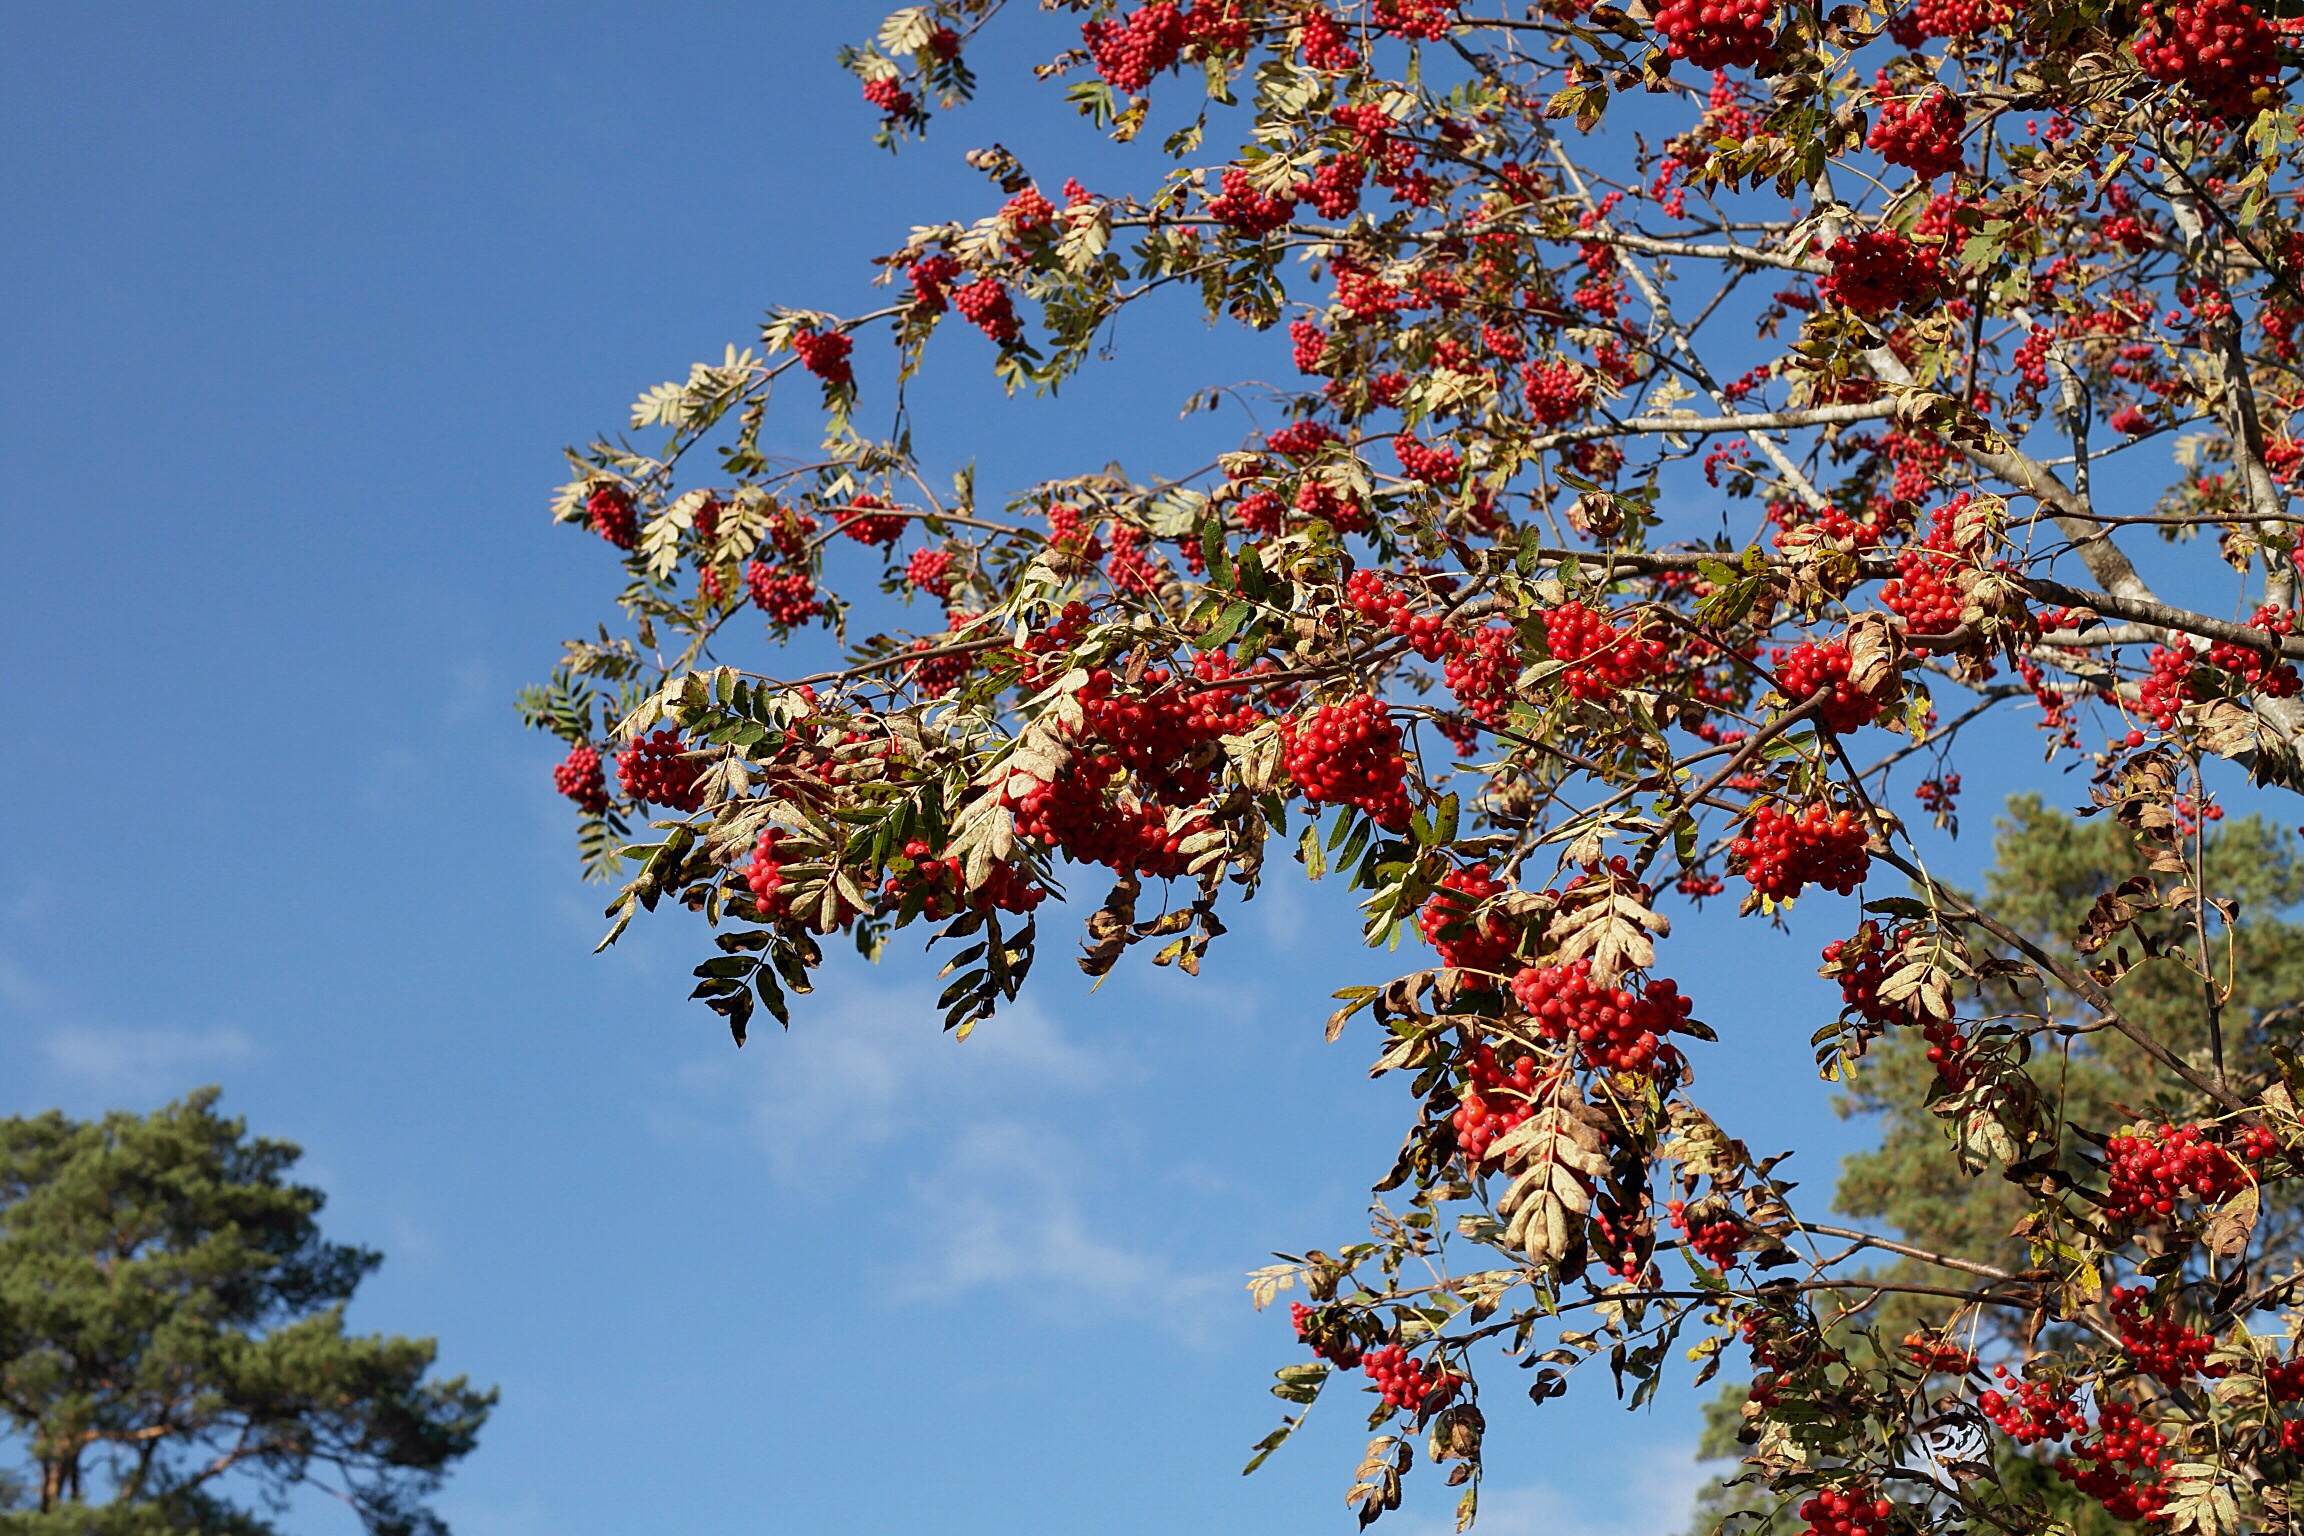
1936,1353
2148,1170
1719,34
930,571
1309,345
1480,672
936,675
613,516
1716,1242
869,520
1334,190
2161,1346
888,94
1945,18
1300,439
932,282
1348,753
1809,670
1613,1028
1324,42
1131,570
786,595
1495,1099
656,770
933,884
1326,1338
1432,466
1556,392
1603,658
1876,270
2029,1411
1252,213
2225,52
825,354
2122,1446
1261,512
2167,687
1404,1380
1082,813
2260,672
582,780
1852,1511
1463,941
1783,852
1129,50
985,304
1921,133
1072,536
1380,602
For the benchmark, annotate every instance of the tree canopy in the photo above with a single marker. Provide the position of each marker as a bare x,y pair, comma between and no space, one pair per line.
173,1355
1700,422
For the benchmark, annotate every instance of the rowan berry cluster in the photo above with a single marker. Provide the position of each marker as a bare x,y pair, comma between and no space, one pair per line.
1556,392
613,515
934,884
1241,207
1129,568
1379,601
1480,671
1924,19
1324,42
656,770
1129,50
1782,852
986,305
1934,1353
1348,753
1495,1099
869,520
1808,671
1613,1028
2147,1171
2166,687
1877,270
2122,1446
1083,813
1334,190
1719,34
1921,133
825,354
1716,1241
2030,1411
888,94
1603,658
1324,1335
1422,20
1404,1381
1852,1511
580,777
2225,53
930,571
1300,439
784,593
938,671
1447,921
931,278
1433,466
2260,672
2161,1346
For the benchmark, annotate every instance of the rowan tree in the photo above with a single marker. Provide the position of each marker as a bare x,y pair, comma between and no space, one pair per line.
1704,419
173,1355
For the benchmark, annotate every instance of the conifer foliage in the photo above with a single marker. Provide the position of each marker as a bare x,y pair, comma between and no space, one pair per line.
1699,417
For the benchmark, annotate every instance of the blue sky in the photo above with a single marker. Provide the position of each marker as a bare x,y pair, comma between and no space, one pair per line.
300,304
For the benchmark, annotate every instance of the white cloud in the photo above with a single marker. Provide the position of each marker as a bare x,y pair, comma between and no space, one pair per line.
1652,1493
142,1062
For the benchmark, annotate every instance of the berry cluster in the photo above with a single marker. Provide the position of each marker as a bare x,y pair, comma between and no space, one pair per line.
1852,1511
2122,1446
1876,270
2260,672
888,94
582,780
1783,852
656,770
1495,1099
2164,690
1348,753
825,354
1404,1380
1480,671
2148,1171
986,305
1447,922
613,516
1324,1335
1719,34
869,520
2029,1411
1556,392
932,282
1921,133
1325,44
1241,207
1422,20
1945,18
1131,49
1432,466
1716,1241
2161,1346
1300,439
2225,52
1809,670
934,884
1380,602
786,594
1613,1028
1603,657
930,571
